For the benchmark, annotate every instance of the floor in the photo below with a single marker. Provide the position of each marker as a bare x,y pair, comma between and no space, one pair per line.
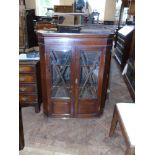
47,136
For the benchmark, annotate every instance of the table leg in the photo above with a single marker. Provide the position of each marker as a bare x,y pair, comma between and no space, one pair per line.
130,151
114,122
21,132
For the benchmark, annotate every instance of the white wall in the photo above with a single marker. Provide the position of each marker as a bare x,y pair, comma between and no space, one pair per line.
66,2
41,10
30,4
69,20
106,8
98,5
110,8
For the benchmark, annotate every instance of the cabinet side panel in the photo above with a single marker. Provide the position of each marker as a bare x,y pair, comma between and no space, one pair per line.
106,77
43,78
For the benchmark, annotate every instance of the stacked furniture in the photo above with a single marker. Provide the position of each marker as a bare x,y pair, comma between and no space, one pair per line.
22,25
68,19
129,75
29,82
27,35
131,7
64,8
31,38
123,45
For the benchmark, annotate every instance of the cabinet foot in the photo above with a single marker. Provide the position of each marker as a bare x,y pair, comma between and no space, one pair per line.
37,109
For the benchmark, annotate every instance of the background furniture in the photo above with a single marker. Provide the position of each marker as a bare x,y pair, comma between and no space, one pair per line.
130,4
74,73
64,8
22,25
132,7
123,45
68,20
27,35
124,114
129,75
21,132
29,82
31,38
44,25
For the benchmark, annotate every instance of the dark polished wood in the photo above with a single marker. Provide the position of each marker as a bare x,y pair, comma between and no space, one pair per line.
31,38
30,84
74,106
44,25
21,132
131,7
123,45
125,3
129,75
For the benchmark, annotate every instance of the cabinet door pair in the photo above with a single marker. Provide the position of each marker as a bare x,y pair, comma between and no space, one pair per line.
75,80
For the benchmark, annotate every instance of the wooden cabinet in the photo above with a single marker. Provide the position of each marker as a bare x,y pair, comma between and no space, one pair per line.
44,25
27,35
129,75
123,45
29,83
68,19
131,7
75,73
64,8
31,38
22,25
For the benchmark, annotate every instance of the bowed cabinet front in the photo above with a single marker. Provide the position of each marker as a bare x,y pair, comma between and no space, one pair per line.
75,73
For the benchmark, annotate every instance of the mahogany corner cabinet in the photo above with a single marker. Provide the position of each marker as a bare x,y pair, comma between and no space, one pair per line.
74,73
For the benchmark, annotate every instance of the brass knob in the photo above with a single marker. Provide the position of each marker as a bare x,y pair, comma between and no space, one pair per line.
24,98
76,81
22,89
21,69
21,79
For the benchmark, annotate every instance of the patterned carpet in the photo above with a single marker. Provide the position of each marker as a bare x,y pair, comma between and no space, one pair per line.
77,136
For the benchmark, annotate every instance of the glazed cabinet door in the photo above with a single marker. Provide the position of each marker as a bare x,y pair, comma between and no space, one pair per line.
89,80
60,68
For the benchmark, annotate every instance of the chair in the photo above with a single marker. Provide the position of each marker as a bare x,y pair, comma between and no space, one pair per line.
124,114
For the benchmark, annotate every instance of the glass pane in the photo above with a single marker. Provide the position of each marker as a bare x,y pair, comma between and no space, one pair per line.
89,68
60,67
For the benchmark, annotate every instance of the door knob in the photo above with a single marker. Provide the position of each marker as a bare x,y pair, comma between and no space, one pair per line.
22,88
76,81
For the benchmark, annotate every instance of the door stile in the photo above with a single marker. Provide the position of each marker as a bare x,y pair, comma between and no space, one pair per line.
73,75
76,80
106,75
48,79
45,81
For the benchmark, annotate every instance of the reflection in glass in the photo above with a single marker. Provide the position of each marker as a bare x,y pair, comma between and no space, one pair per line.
89,68
60,70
